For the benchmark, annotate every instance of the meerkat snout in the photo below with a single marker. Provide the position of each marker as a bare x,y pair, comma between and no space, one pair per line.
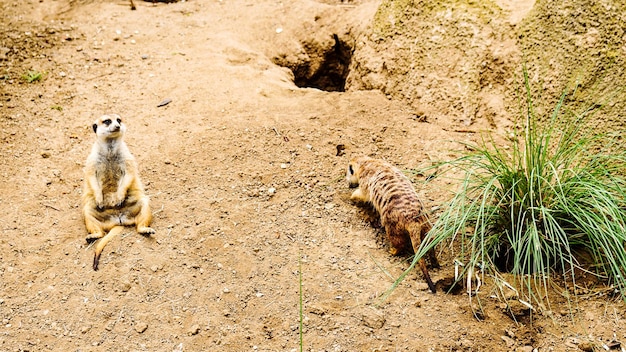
109,126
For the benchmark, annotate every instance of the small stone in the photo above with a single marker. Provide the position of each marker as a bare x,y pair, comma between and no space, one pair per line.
508,341
125,286
271,191
194,330
283,166
585,346
3,53
62,74
109,326
525,349
154,268
510,294
372,319
140,327
571,342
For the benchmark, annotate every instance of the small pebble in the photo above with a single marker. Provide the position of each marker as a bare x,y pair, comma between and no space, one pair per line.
585,346
194,330
141,327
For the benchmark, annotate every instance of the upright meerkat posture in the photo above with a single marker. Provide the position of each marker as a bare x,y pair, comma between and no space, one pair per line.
392,195
113,195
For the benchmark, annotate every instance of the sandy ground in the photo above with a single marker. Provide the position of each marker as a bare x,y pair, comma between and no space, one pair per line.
246,187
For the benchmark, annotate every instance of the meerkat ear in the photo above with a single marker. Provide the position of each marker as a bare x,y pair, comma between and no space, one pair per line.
95,128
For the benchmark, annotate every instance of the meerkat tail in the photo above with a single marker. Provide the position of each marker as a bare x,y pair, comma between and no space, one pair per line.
103,242
431,286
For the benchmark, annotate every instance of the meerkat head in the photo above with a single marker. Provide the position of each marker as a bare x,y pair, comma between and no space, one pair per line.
109,127
352,173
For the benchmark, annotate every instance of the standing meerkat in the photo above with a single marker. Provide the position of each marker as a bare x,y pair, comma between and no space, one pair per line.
392,195
113,195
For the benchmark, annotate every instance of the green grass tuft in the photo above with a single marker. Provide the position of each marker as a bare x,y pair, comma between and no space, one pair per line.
542,205
32,76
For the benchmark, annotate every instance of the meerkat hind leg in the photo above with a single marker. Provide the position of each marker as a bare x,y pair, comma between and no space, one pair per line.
144,218
94,227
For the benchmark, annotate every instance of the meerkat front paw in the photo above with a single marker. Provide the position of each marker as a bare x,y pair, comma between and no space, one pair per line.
99,201
358,196
146,231
119,199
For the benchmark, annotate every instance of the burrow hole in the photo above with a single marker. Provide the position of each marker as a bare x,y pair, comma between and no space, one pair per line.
325,65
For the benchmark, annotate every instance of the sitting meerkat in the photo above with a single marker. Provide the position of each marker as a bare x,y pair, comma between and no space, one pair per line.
113,195
392,195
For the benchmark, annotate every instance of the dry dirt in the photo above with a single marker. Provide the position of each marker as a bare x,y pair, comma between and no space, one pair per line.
246,186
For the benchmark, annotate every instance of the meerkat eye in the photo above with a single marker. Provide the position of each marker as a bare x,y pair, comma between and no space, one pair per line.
107,122
350,170
119,120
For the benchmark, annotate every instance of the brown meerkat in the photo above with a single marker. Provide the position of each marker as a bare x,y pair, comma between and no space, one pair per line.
401,211
113,195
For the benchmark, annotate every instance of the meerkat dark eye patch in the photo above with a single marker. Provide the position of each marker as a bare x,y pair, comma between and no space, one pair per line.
107,122
350,170
119,120
95,127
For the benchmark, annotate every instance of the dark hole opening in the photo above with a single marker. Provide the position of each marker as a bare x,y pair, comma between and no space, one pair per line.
326,69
